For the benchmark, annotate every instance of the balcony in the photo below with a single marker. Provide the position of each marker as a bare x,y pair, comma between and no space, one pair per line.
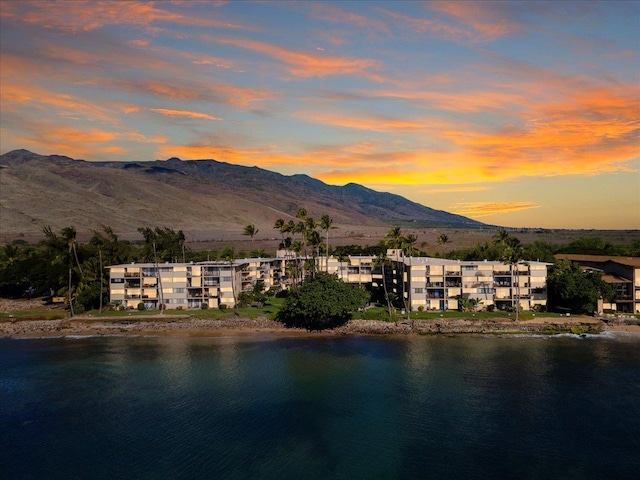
197,295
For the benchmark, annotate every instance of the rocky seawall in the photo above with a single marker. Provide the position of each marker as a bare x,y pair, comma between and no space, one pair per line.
472,326
186,325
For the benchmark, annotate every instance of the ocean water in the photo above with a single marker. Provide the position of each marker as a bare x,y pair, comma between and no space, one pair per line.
320,408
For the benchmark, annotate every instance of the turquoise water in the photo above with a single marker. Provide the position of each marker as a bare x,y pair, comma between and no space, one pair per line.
320,408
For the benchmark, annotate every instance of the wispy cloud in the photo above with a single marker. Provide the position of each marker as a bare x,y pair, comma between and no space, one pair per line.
183,113
79,15
483,21
456,189
333,14
306,64
485,209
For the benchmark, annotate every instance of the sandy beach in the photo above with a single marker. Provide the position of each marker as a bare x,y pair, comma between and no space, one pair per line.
187,326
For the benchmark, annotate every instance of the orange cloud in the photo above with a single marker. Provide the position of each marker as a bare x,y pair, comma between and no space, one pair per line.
79,16
183,113
178,89
487,20
372,123
484,209
426,25
333,14
460,189
305,64
14,95
70,141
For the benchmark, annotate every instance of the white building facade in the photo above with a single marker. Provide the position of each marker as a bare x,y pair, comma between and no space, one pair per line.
418,283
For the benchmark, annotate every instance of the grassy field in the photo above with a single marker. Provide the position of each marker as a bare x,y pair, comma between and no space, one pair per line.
269,310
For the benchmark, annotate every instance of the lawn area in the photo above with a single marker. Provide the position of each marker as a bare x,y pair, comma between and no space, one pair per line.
269,310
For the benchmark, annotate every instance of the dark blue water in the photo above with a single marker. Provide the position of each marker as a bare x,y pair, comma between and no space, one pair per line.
322,408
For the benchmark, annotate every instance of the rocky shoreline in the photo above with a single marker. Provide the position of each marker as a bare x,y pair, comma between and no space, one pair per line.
188,326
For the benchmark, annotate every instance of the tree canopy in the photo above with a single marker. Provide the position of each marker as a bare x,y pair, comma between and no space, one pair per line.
569,287
322,301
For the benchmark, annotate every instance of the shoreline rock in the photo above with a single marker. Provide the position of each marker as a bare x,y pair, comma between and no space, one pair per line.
186,325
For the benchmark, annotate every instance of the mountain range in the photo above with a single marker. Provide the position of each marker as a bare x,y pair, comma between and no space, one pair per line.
192,195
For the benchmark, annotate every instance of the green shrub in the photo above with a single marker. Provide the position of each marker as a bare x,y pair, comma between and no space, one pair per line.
223,306
204,305
322,301
141,306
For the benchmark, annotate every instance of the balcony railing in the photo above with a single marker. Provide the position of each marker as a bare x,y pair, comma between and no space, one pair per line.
200,295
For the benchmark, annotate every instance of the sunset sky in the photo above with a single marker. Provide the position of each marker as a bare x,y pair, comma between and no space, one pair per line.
521,114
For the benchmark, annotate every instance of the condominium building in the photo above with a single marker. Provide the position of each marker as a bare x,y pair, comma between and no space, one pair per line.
418,282
189,285
440,284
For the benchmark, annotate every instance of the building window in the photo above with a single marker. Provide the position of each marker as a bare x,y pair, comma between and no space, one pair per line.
485,290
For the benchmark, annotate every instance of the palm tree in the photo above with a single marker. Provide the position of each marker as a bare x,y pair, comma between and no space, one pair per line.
251,231
69,234
394,237
383,262
501,237
402,245
443,239
408,244
279,225
301,213
314,239
511,255
229,255
326,225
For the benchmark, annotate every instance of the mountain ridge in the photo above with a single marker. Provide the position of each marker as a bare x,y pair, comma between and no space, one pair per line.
198,195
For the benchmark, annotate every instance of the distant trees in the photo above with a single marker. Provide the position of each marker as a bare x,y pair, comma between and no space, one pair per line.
322,301
162,244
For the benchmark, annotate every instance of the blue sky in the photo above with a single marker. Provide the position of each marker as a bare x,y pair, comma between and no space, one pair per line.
513,113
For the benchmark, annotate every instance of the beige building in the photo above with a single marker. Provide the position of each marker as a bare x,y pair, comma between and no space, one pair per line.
422,282
440,284
190,285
